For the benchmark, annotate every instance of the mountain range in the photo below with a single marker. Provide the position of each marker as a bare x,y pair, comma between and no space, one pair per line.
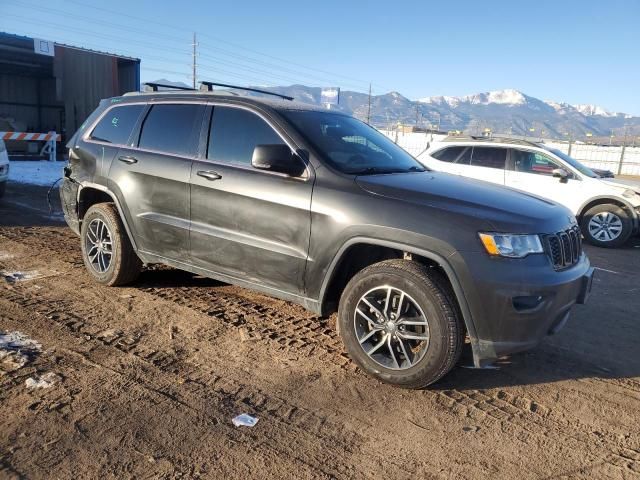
506,111
502,111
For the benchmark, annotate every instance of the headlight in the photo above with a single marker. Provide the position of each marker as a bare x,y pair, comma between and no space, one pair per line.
511,245
630,193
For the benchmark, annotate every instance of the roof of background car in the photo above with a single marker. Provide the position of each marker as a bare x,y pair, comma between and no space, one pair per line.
494,141
274,103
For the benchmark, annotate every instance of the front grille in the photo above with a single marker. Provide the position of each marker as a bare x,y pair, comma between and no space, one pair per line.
564,248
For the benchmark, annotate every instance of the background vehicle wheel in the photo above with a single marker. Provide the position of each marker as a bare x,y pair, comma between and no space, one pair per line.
400,323
106,249
606,226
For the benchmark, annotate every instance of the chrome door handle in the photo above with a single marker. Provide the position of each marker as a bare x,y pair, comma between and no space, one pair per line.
128,159
209,174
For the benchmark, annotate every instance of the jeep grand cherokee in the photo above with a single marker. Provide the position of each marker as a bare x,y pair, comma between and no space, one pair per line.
318,208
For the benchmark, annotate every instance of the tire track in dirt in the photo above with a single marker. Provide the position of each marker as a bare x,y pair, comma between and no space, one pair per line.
309,335
205,382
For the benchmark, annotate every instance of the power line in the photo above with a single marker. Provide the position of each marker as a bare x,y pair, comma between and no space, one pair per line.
217,39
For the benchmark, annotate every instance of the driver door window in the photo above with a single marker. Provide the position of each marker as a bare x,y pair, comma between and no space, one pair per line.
532,172
533,162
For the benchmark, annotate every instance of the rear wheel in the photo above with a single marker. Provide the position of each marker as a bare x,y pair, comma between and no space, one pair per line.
400,324
106,249
606,226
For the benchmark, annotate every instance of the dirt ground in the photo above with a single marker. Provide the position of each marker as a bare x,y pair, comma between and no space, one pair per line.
147,379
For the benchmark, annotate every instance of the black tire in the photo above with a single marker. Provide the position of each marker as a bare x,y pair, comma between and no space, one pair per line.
432,294
624,219
124,265
3,188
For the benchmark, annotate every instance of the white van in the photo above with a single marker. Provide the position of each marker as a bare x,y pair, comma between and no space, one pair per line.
4,167
608,212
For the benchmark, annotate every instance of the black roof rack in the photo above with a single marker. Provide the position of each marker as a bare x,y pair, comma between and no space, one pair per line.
208,86
154,86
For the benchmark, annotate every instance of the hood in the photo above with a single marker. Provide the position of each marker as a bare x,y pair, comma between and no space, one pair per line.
621,184
505,209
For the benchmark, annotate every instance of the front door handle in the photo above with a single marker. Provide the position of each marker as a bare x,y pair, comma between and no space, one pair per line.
209,174
128,159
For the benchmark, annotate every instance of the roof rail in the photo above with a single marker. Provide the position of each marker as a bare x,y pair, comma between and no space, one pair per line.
481,139
154,86
208,86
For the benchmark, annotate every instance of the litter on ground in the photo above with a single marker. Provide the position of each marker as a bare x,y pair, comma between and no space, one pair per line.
244,420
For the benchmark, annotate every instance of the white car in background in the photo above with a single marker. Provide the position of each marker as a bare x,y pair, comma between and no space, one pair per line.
4,167
608,212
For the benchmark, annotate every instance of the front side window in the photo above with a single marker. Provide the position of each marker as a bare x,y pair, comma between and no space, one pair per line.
574,163
489,157
533,162
116,125
172,128
235,133
351,146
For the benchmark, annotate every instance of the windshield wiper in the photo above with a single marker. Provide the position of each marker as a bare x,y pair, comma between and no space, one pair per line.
382,171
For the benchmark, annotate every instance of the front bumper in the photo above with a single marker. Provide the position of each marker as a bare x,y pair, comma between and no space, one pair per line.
515,303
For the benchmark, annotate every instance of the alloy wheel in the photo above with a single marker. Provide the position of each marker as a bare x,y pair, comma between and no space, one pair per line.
605,226
391,328
99,246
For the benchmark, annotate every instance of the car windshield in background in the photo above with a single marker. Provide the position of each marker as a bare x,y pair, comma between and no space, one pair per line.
350,145
574,163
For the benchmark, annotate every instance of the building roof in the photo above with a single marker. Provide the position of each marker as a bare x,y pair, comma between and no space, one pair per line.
21,41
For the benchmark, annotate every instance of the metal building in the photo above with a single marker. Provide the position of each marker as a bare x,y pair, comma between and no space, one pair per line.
47,86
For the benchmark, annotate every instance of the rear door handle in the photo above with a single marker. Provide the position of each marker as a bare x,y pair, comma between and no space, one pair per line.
209,174
128,159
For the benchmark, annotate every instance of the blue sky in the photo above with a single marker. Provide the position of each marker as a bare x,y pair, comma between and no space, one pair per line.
578,52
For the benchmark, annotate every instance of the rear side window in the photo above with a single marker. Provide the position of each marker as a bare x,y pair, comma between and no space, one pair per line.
171,128
448,154
116,125
489,157
235,133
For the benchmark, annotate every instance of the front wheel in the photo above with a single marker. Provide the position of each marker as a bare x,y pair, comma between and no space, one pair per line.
106,249
606,226
400,323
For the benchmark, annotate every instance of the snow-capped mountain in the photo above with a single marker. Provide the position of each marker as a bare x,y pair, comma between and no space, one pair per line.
503,111
502,97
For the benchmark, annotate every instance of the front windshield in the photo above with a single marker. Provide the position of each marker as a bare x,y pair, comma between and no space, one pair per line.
574,163
351,146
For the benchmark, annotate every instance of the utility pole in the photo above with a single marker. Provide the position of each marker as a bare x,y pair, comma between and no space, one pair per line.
195,44
417,114
369,108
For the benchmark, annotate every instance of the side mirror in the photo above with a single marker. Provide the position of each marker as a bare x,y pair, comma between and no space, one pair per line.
277,158
561,173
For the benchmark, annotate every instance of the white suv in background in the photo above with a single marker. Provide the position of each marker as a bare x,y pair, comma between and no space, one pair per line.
607,211
4,167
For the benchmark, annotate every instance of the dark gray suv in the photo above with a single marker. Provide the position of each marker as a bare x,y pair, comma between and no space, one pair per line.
320,209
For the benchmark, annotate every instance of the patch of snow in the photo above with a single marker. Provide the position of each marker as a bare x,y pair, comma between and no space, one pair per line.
35,172
441,100
16,350
590,110
508,96
47,380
